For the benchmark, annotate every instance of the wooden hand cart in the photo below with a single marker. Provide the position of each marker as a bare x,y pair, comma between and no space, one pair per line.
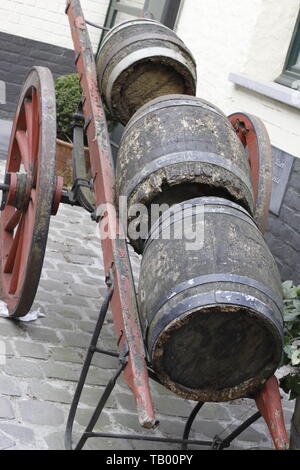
32,194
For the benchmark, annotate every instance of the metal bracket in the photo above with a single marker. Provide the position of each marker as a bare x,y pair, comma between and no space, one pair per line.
87,122
123,357
79,183
78,118
217,443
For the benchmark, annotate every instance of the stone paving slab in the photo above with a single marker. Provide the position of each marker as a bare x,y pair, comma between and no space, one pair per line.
44,359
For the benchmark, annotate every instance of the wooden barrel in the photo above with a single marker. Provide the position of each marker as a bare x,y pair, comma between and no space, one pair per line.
140,60
211,316
178,147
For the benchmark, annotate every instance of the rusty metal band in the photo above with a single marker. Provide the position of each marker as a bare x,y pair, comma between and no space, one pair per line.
136,56
138,38
214,278
165,103
129,23
214,299
192,156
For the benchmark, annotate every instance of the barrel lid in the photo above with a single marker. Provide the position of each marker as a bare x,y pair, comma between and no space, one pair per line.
169,359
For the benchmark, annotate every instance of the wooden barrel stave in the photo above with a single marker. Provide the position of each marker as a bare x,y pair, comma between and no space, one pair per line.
212,318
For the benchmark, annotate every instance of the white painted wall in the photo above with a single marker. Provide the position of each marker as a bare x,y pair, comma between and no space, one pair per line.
243,37
249,37
46,21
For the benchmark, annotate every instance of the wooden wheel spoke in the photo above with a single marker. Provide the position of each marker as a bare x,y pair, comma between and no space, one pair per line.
15,247
33,196
16,270
13,221
23,143
23,249
28,106
31,106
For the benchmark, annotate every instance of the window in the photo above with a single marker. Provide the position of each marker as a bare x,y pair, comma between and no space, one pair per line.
165,11
291,72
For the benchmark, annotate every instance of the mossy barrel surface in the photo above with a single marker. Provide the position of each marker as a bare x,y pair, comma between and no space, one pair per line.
211,316
178,147
140,60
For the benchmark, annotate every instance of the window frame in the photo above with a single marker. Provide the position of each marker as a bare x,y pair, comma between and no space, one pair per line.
168,18
169,13
291,73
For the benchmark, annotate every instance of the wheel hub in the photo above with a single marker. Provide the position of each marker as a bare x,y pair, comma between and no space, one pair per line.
16,190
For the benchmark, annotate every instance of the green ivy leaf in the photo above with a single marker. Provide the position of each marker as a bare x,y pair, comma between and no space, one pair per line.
291,384
291,316
291,351
295,358
288,350
296,304
289,290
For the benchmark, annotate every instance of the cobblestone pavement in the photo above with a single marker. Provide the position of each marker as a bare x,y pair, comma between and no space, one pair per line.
44,358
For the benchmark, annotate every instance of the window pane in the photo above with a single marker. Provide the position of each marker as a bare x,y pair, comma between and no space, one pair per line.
291,71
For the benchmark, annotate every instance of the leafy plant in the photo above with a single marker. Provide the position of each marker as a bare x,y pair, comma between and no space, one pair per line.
68,96
290,383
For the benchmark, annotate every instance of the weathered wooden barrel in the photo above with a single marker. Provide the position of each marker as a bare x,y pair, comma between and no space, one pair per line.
178,147
140,60
211,316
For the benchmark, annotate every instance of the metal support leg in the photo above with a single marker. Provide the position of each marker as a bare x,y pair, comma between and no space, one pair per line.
91,351
220,444
189,423
89,429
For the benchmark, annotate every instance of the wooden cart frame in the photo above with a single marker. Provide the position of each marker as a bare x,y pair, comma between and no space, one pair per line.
32,193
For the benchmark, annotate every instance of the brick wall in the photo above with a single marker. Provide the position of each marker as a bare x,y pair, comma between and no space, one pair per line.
18,55
283,236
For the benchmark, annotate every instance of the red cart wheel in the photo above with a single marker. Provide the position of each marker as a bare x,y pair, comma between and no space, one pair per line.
28,203
254,136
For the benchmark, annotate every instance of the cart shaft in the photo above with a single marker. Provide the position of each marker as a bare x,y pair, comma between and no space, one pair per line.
115,255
